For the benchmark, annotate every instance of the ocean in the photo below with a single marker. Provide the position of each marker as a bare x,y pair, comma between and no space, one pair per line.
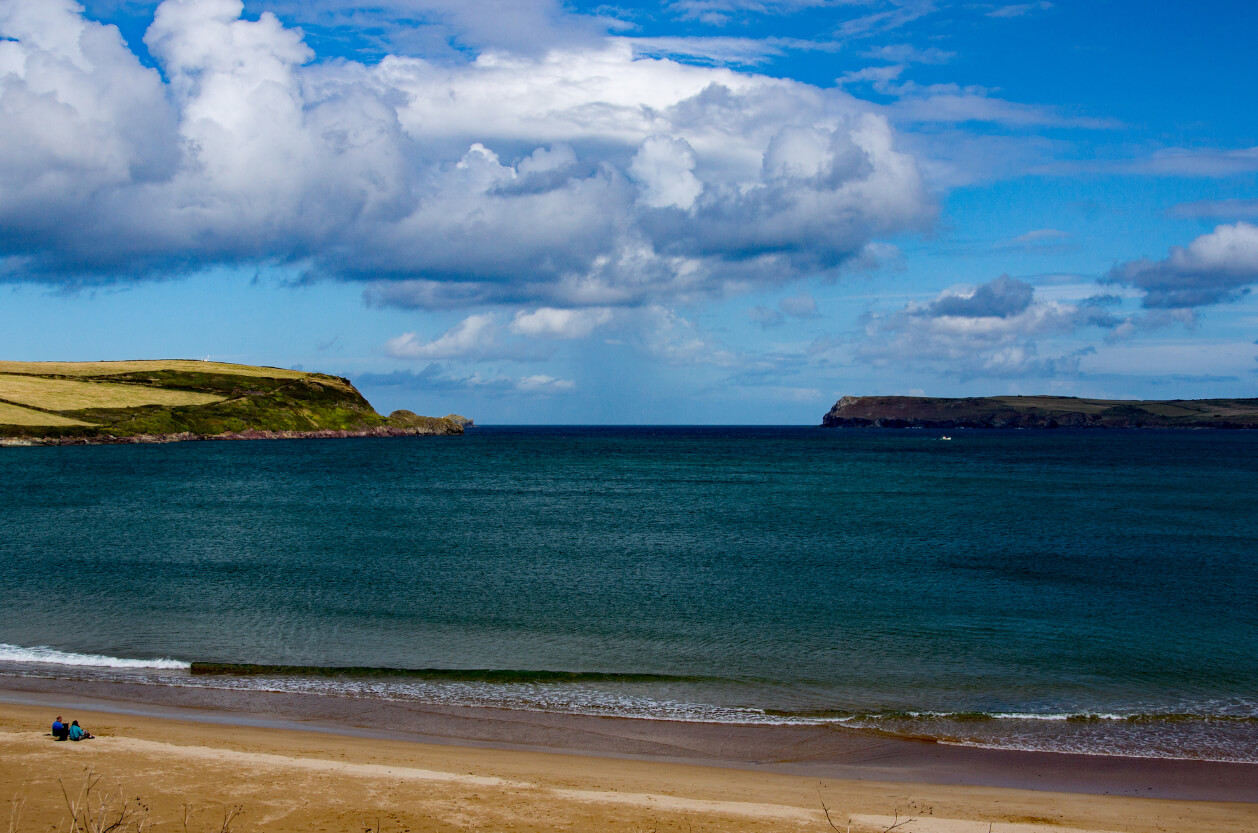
1078,591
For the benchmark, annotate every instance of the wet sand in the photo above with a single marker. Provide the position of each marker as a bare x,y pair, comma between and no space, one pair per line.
285,780
816,751
301,762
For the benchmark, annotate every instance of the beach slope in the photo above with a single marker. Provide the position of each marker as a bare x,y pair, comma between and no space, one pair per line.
283,780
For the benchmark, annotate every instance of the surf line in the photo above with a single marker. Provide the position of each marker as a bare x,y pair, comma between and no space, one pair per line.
488,675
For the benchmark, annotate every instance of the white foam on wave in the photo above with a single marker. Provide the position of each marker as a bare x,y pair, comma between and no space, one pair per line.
51,656
1054,717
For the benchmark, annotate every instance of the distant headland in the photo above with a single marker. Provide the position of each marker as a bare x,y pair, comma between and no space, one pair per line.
77,403
1038,412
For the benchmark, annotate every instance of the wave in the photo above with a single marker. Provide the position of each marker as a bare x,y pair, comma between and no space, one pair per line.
1223,730
463,675
1085,717
51,656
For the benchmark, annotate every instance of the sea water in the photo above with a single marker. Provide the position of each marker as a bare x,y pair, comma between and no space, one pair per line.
1061,590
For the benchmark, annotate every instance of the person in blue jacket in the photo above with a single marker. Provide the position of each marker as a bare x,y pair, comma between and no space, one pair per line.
77,732
60,731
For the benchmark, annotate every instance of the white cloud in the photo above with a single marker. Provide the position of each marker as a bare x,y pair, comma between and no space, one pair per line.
1019,9
581,176
990,330
545,384
520,26
472,337
1214,268
548,322
903,53
720,12
1196,162
950,106
955,104
731,51
435,377
1039,235
664,166
1202,162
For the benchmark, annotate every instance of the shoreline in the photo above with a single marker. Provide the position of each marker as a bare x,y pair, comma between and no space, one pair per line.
797,751
285,780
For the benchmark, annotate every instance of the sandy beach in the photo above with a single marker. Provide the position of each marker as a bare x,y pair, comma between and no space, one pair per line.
306,773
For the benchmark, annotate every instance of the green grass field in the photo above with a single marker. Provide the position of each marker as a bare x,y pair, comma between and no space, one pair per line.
105,400
1043,412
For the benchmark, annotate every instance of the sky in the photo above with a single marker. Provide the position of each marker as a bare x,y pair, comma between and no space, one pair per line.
679,212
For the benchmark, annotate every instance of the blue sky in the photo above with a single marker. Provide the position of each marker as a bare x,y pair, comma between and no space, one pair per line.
698,211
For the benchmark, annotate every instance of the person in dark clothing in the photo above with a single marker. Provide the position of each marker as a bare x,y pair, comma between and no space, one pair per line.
60,731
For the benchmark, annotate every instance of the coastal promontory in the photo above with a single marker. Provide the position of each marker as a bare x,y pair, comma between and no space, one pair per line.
71,403
1038,412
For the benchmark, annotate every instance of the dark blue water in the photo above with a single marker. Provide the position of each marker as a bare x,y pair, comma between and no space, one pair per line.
1095,591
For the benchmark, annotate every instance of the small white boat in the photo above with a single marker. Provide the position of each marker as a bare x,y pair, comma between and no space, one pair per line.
945,438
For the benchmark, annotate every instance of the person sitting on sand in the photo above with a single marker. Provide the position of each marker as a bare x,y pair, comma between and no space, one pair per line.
60,731
77,732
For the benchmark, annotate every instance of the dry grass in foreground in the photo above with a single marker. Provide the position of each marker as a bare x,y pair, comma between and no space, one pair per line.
17,415
67,395
146,366
91,808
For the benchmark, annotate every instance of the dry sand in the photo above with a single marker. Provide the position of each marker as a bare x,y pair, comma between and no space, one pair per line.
286,780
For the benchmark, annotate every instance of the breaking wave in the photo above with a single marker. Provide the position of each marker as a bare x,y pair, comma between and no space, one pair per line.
51,656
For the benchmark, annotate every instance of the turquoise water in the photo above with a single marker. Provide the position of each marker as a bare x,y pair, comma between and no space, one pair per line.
1086,591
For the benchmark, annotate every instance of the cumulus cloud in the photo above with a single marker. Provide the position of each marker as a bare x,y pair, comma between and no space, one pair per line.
988,330
1004,297
472,337
664,167
582,176
548,322
1215,268
481,337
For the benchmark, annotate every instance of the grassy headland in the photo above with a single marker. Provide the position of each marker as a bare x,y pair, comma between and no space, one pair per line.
71,402
1039,412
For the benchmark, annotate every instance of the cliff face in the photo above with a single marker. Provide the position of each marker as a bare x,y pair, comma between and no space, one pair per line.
1038,412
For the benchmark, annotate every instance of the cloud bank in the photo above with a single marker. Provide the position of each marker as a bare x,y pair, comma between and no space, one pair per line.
991,330
1214,268
582,177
